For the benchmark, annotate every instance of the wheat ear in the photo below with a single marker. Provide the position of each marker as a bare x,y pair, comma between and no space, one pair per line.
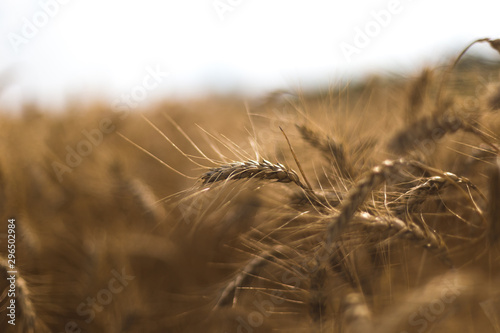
386,227
432,127
331,149
251,169
418,194
416,95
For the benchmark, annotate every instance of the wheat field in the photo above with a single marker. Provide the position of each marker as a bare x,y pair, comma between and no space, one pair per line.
371,206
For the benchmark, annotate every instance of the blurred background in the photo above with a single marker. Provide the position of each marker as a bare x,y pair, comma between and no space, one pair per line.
90,197
52,51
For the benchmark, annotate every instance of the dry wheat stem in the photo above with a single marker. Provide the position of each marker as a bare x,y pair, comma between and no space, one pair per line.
357,195
339,264
229,293
317,294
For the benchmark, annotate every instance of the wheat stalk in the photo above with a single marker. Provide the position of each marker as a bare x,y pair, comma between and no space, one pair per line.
357,195
229,293
317,295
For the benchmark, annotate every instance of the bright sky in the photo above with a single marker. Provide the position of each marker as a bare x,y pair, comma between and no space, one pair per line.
51,50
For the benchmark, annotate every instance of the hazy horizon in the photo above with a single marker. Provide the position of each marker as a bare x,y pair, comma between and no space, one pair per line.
53,50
